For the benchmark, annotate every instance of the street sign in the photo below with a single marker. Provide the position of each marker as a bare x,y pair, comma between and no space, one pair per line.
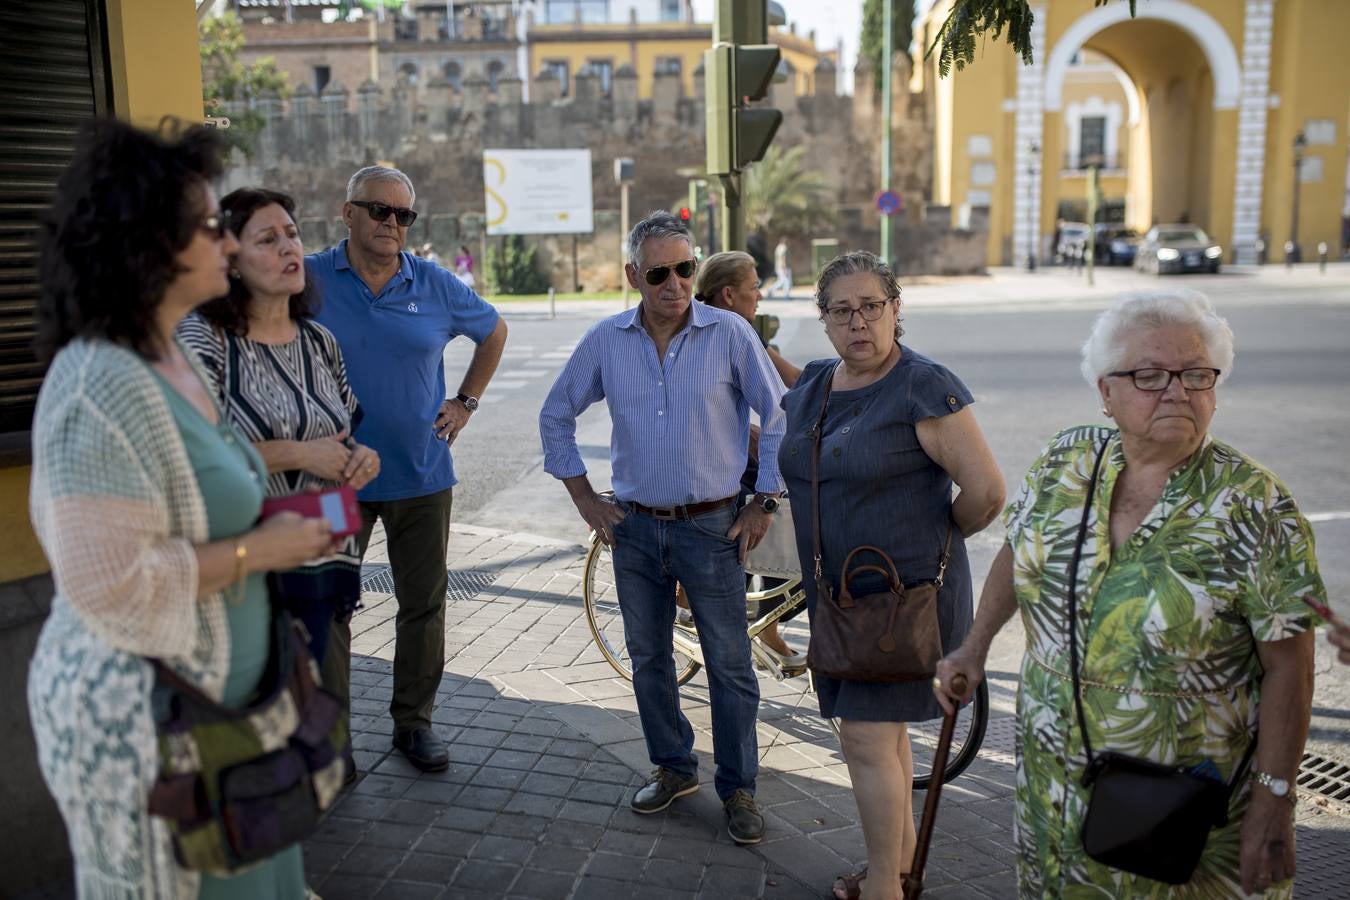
538,191
889,203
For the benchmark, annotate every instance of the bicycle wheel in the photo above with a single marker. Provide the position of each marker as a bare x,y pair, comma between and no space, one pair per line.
601,600
966,740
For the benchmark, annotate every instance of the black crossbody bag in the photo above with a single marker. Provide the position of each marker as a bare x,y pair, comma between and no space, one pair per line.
1143,817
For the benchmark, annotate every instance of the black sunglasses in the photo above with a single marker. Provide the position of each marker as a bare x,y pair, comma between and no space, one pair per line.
658,274
380,212
216,225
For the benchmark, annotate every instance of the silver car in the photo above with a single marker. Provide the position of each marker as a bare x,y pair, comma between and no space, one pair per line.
1174,249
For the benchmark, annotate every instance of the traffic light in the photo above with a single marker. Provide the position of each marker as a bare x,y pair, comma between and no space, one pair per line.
766,326
684,215
735,74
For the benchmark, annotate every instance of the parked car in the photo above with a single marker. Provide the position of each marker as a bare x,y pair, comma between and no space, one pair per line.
1115,245
1171,249
1071,241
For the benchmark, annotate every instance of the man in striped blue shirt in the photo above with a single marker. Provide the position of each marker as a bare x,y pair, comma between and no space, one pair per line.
680,379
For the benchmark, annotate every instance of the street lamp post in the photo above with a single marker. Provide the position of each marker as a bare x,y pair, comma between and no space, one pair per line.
1292,254
1033,219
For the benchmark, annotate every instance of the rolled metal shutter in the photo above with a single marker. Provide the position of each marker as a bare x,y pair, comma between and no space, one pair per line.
52,78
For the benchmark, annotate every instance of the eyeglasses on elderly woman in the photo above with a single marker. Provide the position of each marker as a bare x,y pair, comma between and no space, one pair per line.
843,313
1198,379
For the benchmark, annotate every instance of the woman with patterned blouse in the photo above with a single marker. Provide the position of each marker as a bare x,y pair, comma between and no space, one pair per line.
1191,623
280,378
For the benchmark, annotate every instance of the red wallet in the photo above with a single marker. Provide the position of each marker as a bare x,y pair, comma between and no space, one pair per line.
337,505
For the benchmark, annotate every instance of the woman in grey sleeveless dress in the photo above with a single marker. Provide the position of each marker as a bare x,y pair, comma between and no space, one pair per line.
896,435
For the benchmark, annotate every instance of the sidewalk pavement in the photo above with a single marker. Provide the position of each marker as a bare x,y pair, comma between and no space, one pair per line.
545,750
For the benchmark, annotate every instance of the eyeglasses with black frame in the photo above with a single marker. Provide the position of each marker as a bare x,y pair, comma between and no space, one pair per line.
1154,380
215,225
380,212
842,315
658,274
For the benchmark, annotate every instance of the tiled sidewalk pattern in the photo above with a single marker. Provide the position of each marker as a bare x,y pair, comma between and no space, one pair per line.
545,750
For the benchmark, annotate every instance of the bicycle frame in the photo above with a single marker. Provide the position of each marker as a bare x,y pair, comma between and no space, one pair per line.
685,637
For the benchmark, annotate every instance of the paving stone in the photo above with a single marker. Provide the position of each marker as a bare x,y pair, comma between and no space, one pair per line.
368,808
462,818
589,888
519,826
540,885
486,798
376,862
530,743
554,857
343,886
557,765
499,848
733,881
491,878
468,753
409,890
394,835
449,843
616,866
574,834
680,848
596,792
627,843
412,812
572,749
593,813
534,805
544,783
673,873
482,737
341,829
513,759
493,777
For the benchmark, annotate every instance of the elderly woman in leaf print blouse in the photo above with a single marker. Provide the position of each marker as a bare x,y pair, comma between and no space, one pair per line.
1191,623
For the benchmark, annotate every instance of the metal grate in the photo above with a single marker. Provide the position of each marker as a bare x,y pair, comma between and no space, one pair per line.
461,584
1327,777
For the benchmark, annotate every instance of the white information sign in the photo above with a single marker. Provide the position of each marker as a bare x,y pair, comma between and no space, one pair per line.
538,191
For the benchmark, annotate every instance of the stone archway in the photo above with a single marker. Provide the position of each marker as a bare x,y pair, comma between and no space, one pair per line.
1230,86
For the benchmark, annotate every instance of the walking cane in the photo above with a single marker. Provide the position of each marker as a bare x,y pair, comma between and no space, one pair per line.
914,880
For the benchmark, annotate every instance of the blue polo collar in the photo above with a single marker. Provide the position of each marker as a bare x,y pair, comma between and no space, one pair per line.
405,269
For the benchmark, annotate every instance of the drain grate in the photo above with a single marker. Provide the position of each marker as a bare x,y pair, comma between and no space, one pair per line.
1327,777
461,584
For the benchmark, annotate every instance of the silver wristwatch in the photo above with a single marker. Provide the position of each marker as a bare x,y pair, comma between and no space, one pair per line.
1277,786
470,403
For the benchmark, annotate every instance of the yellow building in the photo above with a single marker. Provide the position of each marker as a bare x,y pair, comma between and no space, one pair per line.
144,65
1217,92
650,49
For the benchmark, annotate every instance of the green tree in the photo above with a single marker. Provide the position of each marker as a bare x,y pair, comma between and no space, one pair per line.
870,44
783,197
512,268
226,79
971,19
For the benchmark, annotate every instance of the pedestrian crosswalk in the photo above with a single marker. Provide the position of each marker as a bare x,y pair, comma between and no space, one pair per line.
522,365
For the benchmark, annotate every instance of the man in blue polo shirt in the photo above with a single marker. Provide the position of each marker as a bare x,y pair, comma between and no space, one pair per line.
393,315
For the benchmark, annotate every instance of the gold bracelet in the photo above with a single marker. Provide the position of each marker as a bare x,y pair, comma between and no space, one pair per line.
240,571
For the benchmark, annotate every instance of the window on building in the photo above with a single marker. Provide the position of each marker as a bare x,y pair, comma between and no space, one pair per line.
668,65
560,71
1091,140
495,70
565,12
322,75
603,69
407,73
670,10
453,74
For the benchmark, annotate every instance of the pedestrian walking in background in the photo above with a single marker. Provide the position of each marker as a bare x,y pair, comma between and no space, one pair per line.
782,271
680,379
1159,573
393,315
464,266
145,500
896,432
280,379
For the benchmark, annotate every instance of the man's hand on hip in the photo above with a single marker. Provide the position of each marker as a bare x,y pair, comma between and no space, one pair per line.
749,528
450,421
600,513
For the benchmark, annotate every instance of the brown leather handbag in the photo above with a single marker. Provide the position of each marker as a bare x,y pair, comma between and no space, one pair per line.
888,636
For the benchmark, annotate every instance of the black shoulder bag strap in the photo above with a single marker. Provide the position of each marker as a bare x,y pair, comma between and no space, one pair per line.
1073,628
815,481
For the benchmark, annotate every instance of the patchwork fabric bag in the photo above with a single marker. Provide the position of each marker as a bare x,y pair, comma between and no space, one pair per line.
240,785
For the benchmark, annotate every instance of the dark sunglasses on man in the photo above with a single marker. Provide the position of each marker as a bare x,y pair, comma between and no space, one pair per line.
380,212
658,274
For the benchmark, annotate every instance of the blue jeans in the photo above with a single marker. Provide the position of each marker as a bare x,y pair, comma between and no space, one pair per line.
650,556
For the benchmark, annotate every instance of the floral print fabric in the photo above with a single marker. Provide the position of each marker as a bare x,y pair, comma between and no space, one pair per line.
1167,632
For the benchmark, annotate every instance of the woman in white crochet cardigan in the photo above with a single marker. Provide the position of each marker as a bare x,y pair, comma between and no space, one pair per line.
144,501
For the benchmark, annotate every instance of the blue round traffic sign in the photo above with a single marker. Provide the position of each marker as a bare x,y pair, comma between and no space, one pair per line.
888,202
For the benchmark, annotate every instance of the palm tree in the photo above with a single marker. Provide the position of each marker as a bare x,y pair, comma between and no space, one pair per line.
783,197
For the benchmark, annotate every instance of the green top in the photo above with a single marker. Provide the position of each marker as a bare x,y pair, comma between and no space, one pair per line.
1168,625
230,476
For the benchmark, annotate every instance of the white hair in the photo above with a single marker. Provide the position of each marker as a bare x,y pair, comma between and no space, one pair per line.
659,225
379,173
1104,350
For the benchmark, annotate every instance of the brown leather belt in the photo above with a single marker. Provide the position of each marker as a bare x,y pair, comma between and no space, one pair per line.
683,512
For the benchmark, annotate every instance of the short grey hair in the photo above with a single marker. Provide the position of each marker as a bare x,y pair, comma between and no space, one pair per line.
858,262
378,173
1104,350
658,225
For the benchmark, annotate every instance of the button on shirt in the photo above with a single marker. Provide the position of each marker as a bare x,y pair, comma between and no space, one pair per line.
394,346
681,425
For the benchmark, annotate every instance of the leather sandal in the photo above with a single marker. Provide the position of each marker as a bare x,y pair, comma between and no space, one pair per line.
849,887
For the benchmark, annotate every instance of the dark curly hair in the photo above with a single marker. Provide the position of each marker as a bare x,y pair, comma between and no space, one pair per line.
231,311
129,202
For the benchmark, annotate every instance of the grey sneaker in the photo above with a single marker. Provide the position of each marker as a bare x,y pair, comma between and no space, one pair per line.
661,790
745,823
